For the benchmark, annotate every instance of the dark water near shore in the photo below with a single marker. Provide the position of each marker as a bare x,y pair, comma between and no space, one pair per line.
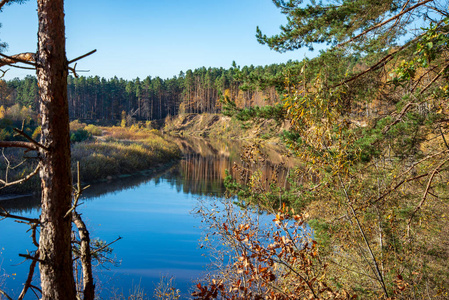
151,213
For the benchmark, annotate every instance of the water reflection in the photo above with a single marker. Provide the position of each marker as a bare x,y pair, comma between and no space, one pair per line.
151,210
205,163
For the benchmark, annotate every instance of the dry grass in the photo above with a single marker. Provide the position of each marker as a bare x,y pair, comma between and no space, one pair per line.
120,151
123,151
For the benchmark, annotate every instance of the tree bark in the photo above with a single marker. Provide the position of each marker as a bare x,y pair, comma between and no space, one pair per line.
85,256
56,271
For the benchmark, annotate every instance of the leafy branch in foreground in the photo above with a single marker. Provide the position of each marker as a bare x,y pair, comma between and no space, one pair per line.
263,258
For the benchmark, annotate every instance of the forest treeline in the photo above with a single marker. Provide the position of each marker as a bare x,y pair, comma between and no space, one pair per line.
202,90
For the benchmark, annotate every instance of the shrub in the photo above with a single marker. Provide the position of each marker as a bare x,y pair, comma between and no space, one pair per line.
94,130
80,135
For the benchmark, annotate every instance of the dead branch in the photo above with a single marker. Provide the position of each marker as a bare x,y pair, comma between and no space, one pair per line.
3,73
25,58
4,213
78,191
18,144
20,67
420,78
399,118
33,234
5,294
82,56
444,138
409,179
434,79
27,284
86,257
377,65
34,142
384,22
32,258
429,183
362,232
22,180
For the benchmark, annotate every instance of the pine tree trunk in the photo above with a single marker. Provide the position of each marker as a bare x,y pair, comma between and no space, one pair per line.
56,271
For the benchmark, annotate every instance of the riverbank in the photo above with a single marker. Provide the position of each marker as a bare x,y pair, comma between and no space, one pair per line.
112,152
218,126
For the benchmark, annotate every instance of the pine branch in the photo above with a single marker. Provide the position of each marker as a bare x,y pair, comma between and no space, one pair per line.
384,23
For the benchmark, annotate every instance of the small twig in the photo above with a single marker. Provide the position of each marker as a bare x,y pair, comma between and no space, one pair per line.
27,284
36,288
399,118
33,258
5,294
101,248
78,191
3,73
6,214
82,56
362,232
429,183
420,78
20,67
444,138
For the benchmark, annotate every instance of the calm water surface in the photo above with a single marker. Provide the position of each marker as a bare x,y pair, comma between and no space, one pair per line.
151,213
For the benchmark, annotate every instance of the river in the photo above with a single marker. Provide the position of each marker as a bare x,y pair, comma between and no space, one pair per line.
152,214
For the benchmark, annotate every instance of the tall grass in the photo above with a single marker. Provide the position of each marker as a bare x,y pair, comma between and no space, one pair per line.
112,157
120,151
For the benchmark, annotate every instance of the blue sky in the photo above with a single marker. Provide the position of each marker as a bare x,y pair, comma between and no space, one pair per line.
153,37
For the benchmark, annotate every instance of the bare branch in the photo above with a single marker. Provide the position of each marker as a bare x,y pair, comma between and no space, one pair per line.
3,73
33,258
20,67
86,257
5,294
25,58
18,144
420,78
399,118
6,214
362,232
434,79
429,183
385,22
82,56
20,181
78,191
22,133
27,284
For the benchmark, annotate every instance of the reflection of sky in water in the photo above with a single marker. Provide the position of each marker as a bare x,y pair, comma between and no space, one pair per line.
160,237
